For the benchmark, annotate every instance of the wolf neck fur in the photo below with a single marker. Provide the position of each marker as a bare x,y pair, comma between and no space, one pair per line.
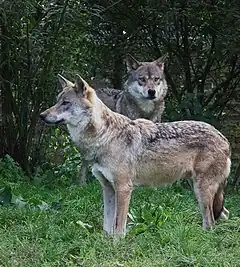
142,106
98,130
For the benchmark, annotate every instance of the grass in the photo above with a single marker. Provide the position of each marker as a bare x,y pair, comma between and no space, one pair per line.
31,237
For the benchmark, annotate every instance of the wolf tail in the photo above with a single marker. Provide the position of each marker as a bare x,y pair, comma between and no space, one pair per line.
218,202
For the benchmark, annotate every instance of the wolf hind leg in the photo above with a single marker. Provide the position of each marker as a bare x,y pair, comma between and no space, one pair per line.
225,213
205,193
208,187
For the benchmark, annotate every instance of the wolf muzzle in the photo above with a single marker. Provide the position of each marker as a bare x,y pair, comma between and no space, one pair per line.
43,116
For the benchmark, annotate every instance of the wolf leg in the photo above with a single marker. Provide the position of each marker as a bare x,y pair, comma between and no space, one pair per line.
109,203
83,178
109,208
123,196
205,194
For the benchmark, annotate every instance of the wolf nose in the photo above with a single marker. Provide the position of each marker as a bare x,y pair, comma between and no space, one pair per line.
42,116
151,92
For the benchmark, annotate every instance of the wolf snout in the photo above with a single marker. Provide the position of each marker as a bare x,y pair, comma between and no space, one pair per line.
50,119
151,92
43,116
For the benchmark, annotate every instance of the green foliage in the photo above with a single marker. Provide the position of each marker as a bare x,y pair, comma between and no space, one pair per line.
8,198
148,217
65,158
5,195
34,36
10,170
62,163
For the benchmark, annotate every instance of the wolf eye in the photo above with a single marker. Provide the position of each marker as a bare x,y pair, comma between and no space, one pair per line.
142,79
156,79
64,103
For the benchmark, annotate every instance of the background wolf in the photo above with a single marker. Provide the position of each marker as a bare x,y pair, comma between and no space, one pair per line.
144,91
126,152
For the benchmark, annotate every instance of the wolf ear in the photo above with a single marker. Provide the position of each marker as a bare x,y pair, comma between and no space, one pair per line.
82,87
160,61
132,63
64,82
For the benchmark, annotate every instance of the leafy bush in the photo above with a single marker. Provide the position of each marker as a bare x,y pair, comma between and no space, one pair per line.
62,165
63,161
10,170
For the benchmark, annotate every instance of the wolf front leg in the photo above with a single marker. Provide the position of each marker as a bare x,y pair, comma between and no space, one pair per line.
83,172
123,196
109,207
109,202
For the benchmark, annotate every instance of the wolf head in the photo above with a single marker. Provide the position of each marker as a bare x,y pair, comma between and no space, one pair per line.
146,79
73,105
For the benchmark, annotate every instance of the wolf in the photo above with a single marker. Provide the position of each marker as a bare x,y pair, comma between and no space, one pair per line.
125,153
144,91
143,95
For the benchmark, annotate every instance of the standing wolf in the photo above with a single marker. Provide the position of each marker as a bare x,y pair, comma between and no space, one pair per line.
144,91
125,152
142,97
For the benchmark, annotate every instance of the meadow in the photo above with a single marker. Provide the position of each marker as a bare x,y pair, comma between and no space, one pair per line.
56,225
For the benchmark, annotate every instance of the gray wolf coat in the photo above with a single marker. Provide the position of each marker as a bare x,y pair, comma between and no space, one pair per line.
144,91
142,97
125,153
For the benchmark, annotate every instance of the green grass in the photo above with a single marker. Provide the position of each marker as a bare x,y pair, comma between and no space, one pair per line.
31,237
